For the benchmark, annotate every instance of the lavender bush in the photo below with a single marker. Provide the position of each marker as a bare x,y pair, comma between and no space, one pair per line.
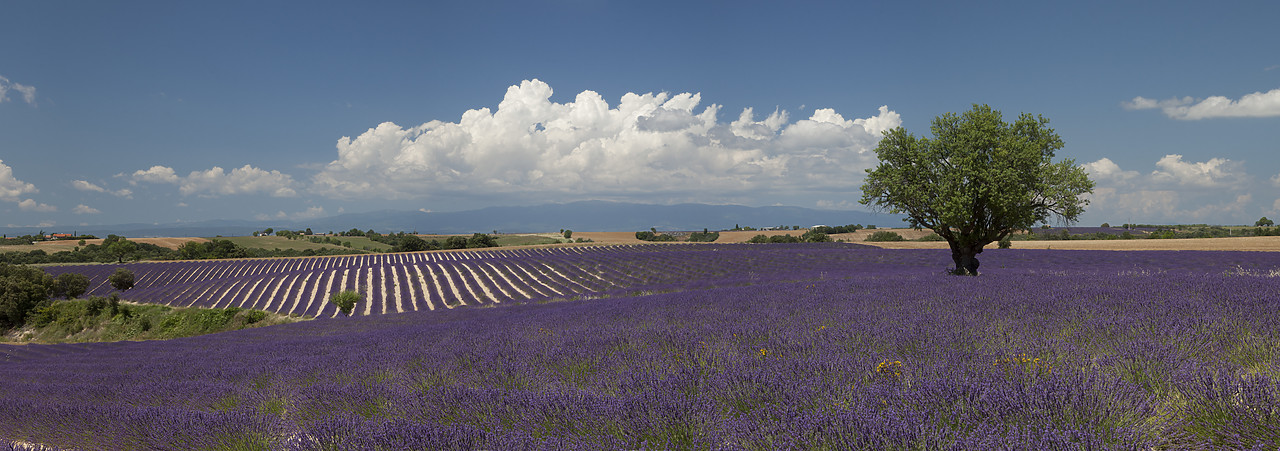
704,347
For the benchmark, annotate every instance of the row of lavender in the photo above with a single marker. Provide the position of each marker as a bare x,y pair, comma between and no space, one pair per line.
845,349
396,283
393,283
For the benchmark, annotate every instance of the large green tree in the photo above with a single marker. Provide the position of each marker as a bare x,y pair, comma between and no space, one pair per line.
119,247
22,289
70,284
977,180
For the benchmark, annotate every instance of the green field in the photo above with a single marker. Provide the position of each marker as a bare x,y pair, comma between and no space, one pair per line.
276,242
525,240
359,242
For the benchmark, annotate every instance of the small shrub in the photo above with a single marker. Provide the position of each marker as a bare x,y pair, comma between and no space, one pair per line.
815,237
253,316
346,301
1005,243
885,235
95,305
931,237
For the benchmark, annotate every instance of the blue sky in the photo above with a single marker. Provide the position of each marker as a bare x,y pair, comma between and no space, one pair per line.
162,112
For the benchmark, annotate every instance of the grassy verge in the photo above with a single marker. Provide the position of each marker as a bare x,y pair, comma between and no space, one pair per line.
95,319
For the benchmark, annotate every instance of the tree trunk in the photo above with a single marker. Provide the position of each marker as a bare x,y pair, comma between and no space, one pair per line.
966,259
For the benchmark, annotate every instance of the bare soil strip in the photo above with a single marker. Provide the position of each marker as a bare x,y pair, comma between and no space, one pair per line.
426,294
452,286
562,276
395,280
439,288
484,288
508,280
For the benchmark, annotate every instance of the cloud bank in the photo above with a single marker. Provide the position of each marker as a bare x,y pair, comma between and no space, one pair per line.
1176,191
32,205
646,144
216,181
1258,104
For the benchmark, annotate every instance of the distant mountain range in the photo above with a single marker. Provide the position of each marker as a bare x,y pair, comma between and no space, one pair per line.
597,216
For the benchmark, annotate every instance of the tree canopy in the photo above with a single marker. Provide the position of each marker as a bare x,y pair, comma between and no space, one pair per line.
977,180
122,279
22,289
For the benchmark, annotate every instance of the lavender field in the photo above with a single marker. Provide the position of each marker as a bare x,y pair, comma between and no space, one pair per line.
817,346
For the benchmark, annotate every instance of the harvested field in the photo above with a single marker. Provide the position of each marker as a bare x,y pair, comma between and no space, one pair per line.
67,245
725,236
1251,243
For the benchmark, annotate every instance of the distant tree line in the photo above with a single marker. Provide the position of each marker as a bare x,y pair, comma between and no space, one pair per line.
807,237
113,249
6,240
1161,232
405,242
704,236
831,230
653,235
119,249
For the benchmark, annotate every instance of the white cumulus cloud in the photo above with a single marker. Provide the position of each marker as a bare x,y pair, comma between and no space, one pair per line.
1258,104
83,209
155,174
10,186
1215,191
27,92
1105,169
217,182
87,186
83,185
646,144
1216,172
242,180
32,205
